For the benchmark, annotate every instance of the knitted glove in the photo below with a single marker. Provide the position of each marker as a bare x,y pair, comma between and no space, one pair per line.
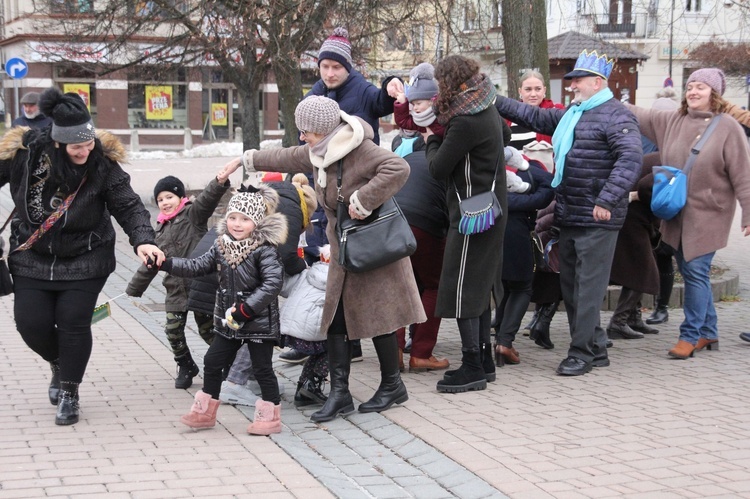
241,313
515,184
247,161
515,159
361,210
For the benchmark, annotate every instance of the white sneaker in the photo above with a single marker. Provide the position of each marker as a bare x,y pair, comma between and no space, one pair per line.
232,393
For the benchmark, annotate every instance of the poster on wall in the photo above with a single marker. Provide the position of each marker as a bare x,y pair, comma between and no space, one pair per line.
158,102
219,114
82,89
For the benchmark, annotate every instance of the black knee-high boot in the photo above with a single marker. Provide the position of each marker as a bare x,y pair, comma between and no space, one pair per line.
339,364
540,331
67,407
392,389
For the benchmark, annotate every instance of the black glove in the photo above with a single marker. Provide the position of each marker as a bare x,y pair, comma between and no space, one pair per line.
238,314
167,265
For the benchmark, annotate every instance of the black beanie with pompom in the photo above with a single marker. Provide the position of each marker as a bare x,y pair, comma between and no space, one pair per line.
71,121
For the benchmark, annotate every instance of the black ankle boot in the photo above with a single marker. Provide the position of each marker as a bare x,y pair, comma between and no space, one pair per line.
186,371
67,407
340,364
540,331
300,399
312,389
392,389
470,376
660,314
54,384
486,353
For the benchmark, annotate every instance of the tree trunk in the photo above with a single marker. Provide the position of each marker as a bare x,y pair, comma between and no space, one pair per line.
289,82
525,38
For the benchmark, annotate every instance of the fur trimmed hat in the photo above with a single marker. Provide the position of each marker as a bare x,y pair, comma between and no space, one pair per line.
170,184
317,114
254,203
71,121
713,77
337,48
422,84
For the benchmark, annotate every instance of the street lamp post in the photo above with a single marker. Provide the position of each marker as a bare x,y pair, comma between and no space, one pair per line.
671,34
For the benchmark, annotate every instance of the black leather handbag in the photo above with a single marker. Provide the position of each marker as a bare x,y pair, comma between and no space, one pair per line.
382,238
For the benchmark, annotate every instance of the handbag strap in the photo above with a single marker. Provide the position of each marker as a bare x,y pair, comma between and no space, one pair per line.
51,220
695,150
339,197
494,179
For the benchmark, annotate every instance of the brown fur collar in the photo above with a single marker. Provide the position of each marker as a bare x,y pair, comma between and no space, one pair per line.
12,142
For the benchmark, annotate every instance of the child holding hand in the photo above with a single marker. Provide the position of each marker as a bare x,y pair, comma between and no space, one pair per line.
180,225
251,274
413,107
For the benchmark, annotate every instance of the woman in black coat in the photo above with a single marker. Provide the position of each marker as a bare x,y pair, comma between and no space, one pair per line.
470,159
59,267
518,259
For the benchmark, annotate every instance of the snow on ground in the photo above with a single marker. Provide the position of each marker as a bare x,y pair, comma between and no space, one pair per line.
226,149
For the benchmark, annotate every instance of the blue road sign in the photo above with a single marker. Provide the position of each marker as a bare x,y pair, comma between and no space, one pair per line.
16,68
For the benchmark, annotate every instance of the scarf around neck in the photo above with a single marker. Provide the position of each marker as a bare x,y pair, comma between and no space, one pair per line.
562,140
321,149
478,93
425,118
161,218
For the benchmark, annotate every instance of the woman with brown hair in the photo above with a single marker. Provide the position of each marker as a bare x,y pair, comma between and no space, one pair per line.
470,159
720,177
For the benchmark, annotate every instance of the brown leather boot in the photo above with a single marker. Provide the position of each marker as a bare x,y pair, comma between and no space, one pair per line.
707,344
417,365
203,412
682,350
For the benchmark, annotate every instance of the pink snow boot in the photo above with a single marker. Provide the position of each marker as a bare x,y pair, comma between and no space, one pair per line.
267,419
203,412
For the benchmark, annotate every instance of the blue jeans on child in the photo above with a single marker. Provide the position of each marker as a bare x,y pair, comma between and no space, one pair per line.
698,301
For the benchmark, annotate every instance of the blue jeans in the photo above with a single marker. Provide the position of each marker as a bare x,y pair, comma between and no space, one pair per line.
698,302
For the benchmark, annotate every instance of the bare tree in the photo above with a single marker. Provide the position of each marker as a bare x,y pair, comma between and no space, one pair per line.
525,36
732,58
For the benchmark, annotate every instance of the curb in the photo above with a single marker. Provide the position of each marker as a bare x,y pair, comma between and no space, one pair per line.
728,284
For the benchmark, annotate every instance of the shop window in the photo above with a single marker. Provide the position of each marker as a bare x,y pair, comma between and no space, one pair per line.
157,105
71,6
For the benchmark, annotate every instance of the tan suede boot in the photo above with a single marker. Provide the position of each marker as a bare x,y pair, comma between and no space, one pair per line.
203,412
267,419
682,350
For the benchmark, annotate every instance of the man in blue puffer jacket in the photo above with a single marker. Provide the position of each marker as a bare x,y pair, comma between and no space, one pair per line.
598,157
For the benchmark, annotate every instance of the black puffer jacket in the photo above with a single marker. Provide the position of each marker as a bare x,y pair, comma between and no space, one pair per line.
202,293
255,282
602,166
81,245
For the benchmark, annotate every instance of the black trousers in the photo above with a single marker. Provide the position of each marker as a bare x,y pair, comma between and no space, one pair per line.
221,354
54,319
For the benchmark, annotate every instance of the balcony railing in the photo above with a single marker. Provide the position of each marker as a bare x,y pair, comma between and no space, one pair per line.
623,25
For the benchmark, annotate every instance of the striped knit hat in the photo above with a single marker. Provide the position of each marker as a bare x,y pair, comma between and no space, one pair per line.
337,48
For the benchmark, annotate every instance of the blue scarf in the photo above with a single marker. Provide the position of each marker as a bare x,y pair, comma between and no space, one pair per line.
562,140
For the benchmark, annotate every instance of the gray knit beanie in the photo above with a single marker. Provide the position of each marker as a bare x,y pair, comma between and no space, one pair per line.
71,121
713,77
317,114
337,48
422,84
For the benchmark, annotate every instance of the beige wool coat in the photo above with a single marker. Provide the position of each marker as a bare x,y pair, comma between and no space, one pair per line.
719,178
382,300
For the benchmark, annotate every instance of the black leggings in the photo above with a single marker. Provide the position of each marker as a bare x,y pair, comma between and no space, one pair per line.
221,354
54,319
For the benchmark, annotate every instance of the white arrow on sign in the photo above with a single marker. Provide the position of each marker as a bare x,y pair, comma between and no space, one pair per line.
16,68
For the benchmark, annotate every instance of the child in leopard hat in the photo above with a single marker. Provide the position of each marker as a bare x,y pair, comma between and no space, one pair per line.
250,271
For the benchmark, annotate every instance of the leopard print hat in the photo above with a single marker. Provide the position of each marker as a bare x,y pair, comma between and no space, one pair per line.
251,204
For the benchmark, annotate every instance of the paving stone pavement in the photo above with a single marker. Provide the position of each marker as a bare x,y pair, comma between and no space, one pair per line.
646,426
